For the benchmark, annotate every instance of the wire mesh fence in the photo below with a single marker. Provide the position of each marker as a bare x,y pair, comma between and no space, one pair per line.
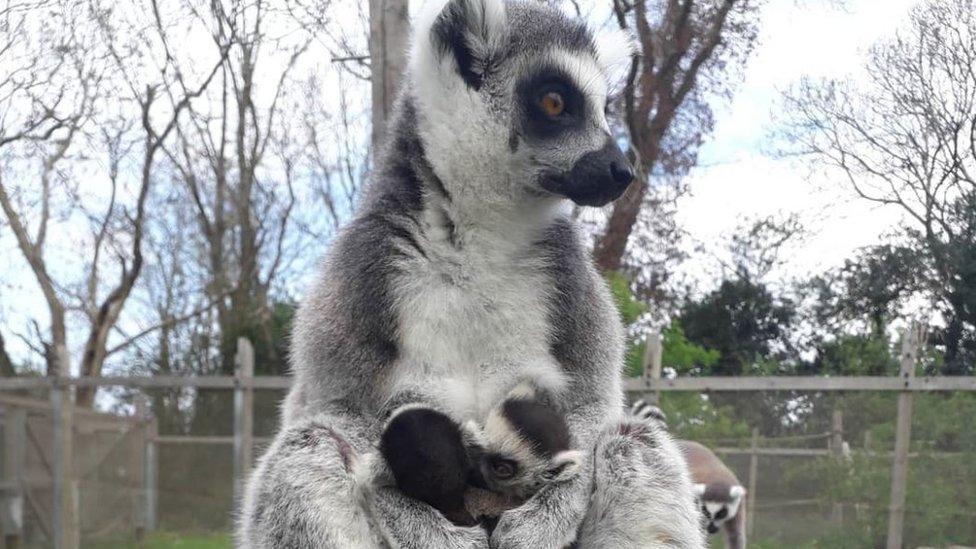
816,458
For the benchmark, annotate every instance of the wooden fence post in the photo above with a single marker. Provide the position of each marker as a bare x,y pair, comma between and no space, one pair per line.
144,494
389,27
12,493
752,513
64,520
150,469
243,416
837,450
652,367
911,341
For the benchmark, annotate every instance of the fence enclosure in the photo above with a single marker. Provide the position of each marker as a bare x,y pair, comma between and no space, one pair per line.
109,477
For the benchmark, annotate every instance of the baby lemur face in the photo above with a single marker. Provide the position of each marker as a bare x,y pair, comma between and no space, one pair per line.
525,445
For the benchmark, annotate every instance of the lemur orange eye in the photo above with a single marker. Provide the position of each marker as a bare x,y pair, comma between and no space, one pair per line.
552,104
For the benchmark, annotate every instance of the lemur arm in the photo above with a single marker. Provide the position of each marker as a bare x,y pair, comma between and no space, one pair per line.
320,485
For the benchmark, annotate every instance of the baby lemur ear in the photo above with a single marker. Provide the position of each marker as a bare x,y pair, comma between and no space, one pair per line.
467,34
699,490
564,466
736,492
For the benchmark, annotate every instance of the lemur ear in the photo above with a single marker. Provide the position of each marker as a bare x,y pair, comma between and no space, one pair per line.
467,35
523,391
615,48
699,490
472,434
564,466
736,492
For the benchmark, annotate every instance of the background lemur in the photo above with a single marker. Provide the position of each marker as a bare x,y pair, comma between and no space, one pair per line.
476,474
461,272
719,493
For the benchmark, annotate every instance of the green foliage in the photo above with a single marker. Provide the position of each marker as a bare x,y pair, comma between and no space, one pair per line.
694,416
744,322
856,355
630,308
634,358
871,286
940,500
682,355
677,352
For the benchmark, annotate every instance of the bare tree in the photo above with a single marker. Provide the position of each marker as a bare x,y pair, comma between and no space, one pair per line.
689,53
48,98
96,69
905,136
756,246
224,155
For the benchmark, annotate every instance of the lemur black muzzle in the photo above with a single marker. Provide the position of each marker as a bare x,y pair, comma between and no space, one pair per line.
596,179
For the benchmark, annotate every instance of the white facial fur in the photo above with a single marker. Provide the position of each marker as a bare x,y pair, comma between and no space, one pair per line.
467,133
615,49
461,136
714,507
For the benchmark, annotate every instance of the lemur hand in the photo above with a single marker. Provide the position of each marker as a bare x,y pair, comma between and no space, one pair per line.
549,520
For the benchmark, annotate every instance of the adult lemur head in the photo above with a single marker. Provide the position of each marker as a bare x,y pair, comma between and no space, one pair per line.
510,102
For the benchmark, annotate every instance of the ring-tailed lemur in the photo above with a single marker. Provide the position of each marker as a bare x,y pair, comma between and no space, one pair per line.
471,474
461,272
717,490
719,493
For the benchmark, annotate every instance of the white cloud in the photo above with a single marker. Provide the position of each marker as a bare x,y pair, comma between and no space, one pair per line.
737,180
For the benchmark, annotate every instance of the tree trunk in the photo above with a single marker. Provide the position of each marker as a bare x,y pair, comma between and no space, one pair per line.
610,249
6,365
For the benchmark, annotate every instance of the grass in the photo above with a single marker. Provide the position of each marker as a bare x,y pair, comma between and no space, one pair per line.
165,540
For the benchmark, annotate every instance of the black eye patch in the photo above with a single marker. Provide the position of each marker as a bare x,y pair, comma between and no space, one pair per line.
502,468
722,514
529,95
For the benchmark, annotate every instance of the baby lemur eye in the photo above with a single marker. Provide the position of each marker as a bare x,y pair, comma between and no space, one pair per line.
502,468
552,103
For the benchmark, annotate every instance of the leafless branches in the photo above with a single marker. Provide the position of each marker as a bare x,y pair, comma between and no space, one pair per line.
689,52
98,70
159,162
905,136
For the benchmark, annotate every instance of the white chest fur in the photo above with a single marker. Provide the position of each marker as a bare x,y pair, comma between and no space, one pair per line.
472,325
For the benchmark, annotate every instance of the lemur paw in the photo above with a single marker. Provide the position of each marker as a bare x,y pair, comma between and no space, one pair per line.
470,537
516,529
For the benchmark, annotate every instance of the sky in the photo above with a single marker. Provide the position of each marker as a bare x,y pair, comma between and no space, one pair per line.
739,178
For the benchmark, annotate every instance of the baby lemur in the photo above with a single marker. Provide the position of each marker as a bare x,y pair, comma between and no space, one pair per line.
472,473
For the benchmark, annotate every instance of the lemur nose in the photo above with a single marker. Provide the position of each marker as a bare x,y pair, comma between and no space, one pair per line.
621,173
